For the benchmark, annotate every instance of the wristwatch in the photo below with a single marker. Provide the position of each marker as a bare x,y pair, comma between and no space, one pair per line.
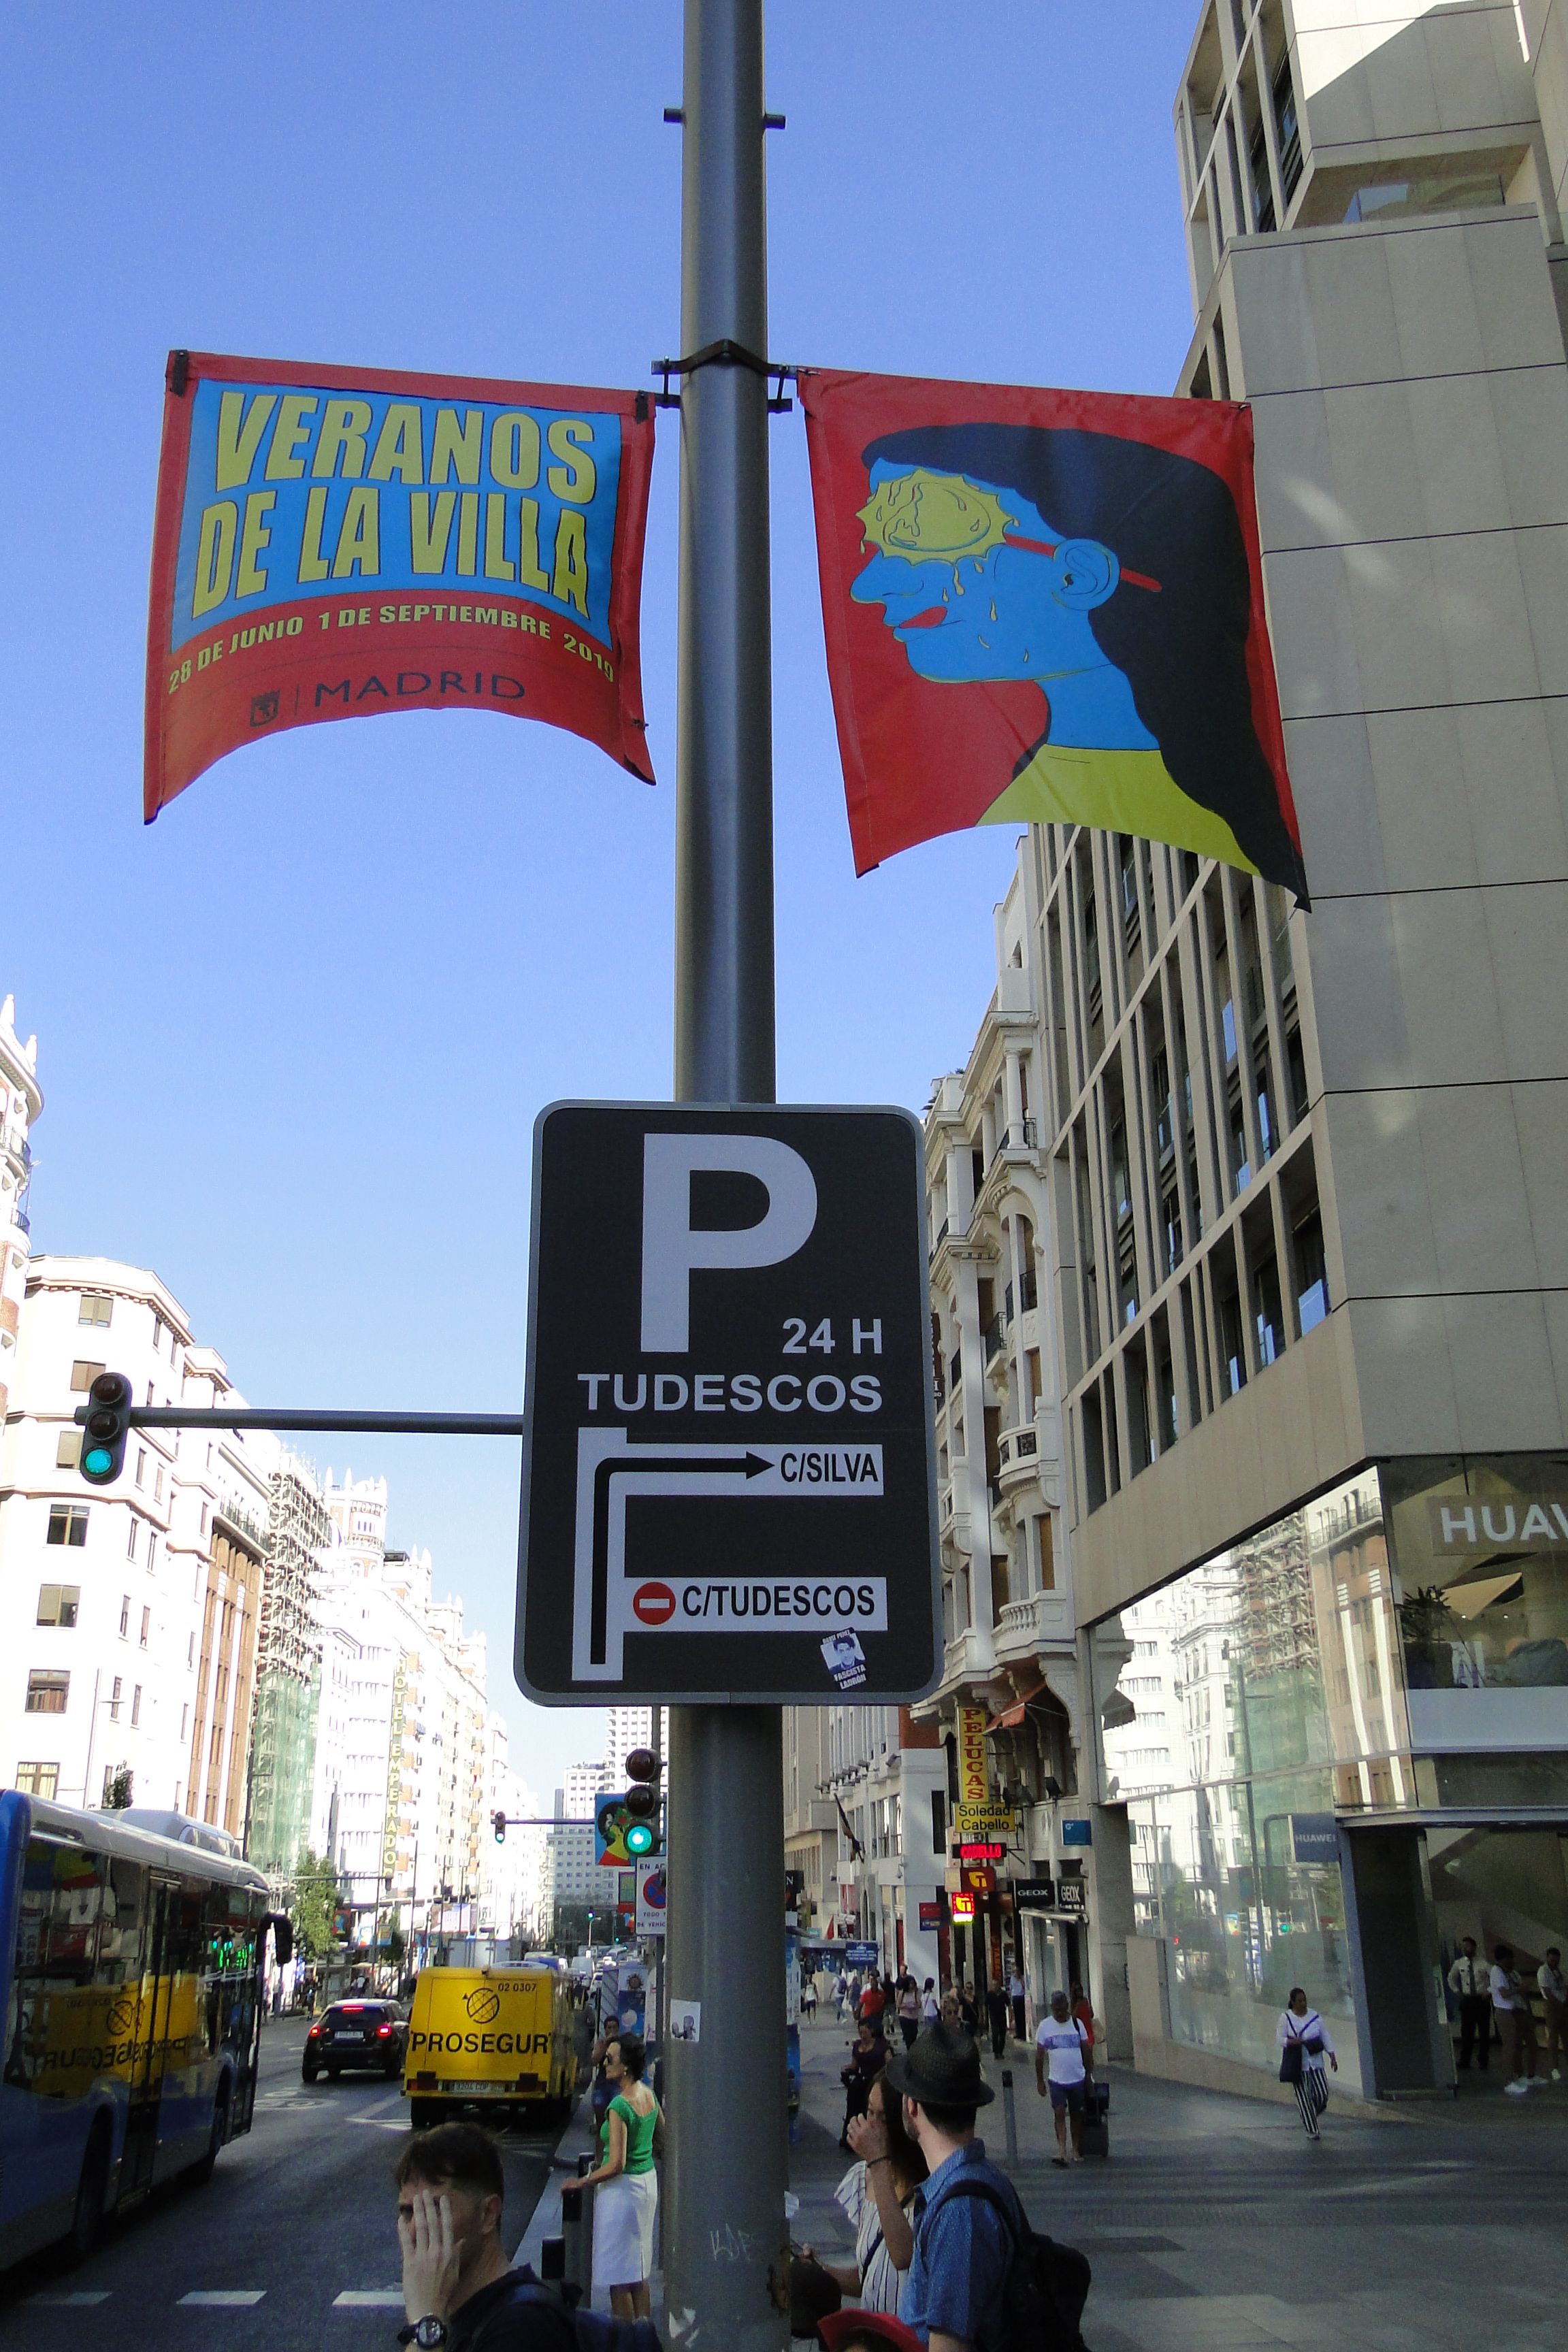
428,2333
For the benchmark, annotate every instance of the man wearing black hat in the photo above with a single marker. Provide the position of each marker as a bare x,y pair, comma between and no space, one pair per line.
952,2292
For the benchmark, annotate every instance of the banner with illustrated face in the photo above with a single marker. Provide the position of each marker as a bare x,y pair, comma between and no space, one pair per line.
1046,607
334,543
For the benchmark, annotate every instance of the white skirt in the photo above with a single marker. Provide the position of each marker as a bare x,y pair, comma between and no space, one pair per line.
623,2211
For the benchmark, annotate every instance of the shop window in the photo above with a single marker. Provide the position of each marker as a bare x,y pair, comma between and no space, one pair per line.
68,1525
59,1604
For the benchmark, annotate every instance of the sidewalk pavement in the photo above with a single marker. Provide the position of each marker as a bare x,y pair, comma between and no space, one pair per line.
1216,2223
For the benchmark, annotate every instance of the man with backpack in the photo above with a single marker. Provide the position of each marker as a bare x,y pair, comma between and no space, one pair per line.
979,2279
952,2292
459,2289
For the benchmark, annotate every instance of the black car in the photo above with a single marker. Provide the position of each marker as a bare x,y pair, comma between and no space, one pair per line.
369,2035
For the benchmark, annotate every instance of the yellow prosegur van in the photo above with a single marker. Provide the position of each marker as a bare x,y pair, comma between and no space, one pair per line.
496,2037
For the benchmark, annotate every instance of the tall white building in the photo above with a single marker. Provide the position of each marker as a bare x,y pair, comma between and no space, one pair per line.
128,1613
401,1782
574,1877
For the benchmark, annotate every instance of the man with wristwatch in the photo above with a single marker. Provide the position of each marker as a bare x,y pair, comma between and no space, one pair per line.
459,2289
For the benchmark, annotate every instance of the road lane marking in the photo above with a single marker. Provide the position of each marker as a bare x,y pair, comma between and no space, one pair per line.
379,2123
76,2301
223,2298
375,2298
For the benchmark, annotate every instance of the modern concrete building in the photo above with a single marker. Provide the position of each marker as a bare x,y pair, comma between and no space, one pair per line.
1308,1171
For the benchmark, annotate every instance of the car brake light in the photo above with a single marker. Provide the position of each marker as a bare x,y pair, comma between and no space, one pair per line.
315,2034
384,2032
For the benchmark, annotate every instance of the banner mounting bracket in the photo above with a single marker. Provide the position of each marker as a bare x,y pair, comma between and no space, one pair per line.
726,353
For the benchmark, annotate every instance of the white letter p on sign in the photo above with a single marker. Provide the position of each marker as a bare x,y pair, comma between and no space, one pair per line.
671,1251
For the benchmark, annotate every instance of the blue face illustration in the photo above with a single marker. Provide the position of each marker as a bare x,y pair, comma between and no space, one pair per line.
975,584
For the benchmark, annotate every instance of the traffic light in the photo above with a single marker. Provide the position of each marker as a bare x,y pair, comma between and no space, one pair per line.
499,1823
106,1424
641,1803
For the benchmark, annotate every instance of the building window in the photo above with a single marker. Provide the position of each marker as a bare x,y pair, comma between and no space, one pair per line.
140,1465
59,1604
125,1617
130,1534
158,1484
83,1376
1312,1273
184,1718
68,1525
38,1779
114,1690
46,1691
68,1449
97,1307
136,1705
146,1620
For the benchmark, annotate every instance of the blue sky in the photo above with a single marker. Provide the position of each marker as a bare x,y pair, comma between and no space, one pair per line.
293,1038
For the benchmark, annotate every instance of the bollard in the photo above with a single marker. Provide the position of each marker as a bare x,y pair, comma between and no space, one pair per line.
577,2234
1009,2115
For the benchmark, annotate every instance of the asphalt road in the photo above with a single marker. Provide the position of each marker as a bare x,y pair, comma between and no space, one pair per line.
298,2220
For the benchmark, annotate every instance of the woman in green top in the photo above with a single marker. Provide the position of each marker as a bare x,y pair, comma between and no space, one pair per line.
626,2182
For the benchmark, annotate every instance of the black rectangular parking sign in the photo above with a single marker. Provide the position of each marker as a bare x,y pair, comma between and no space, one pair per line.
729,1475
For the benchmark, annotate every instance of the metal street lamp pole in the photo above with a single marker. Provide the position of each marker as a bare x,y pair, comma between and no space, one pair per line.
727,2096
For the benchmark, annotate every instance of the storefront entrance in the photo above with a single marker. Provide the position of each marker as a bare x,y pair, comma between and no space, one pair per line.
1414,1892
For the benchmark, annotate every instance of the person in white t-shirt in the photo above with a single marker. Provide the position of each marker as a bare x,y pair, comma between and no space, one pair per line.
1064,2059
1018,1994
1515,2022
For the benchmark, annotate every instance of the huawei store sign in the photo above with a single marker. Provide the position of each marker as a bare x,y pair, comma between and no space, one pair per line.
1526,1524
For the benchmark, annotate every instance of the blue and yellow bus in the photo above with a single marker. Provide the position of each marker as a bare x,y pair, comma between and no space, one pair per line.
130,1991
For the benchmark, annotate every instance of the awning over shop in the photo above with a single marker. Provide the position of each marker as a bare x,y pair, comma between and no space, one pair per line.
1011,1716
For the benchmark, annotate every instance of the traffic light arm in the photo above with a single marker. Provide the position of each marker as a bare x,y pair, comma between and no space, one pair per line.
386,1425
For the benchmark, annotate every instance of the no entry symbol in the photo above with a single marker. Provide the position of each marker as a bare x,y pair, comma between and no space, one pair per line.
654,1603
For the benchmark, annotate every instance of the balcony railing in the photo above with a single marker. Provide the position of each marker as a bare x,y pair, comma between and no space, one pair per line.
1023,1135
994,1336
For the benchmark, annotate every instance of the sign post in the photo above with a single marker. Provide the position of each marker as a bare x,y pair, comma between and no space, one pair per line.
728,2091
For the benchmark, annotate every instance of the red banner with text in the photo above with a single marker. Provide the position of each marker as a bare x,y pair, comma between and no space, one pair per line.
334,543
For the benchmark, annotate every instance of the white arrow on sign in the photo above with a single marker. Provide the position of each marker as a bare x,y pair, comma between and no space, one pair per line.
609,1601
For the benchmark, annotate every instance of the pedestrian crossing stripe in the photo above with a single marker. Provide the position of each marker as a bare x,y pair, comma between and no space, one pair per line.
78,2299
375,2298
223,2298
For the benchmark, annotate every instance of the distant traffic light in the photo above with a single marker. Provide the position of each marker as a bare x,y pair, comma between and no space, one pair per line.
106,1424
498,1821
641,1803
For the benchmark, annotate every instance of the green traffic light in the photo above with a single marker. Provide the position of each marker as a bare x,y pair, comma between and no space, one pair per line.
639,1838
98,1461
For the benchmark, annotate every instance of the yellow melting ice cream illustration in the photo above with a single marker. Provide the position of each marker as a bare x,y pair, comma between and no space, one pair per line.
928,516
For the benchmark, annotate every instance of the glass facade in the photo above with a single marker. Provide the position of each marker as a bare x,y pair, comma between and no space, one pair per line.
1400,1642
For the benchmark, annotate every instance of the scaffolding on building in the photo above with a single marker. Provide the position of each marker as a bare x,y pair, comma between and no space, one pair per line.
289,1670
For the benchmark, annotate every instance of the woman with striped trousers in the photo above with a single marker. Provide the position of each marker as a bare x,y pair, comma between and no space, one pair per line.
1304,2043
